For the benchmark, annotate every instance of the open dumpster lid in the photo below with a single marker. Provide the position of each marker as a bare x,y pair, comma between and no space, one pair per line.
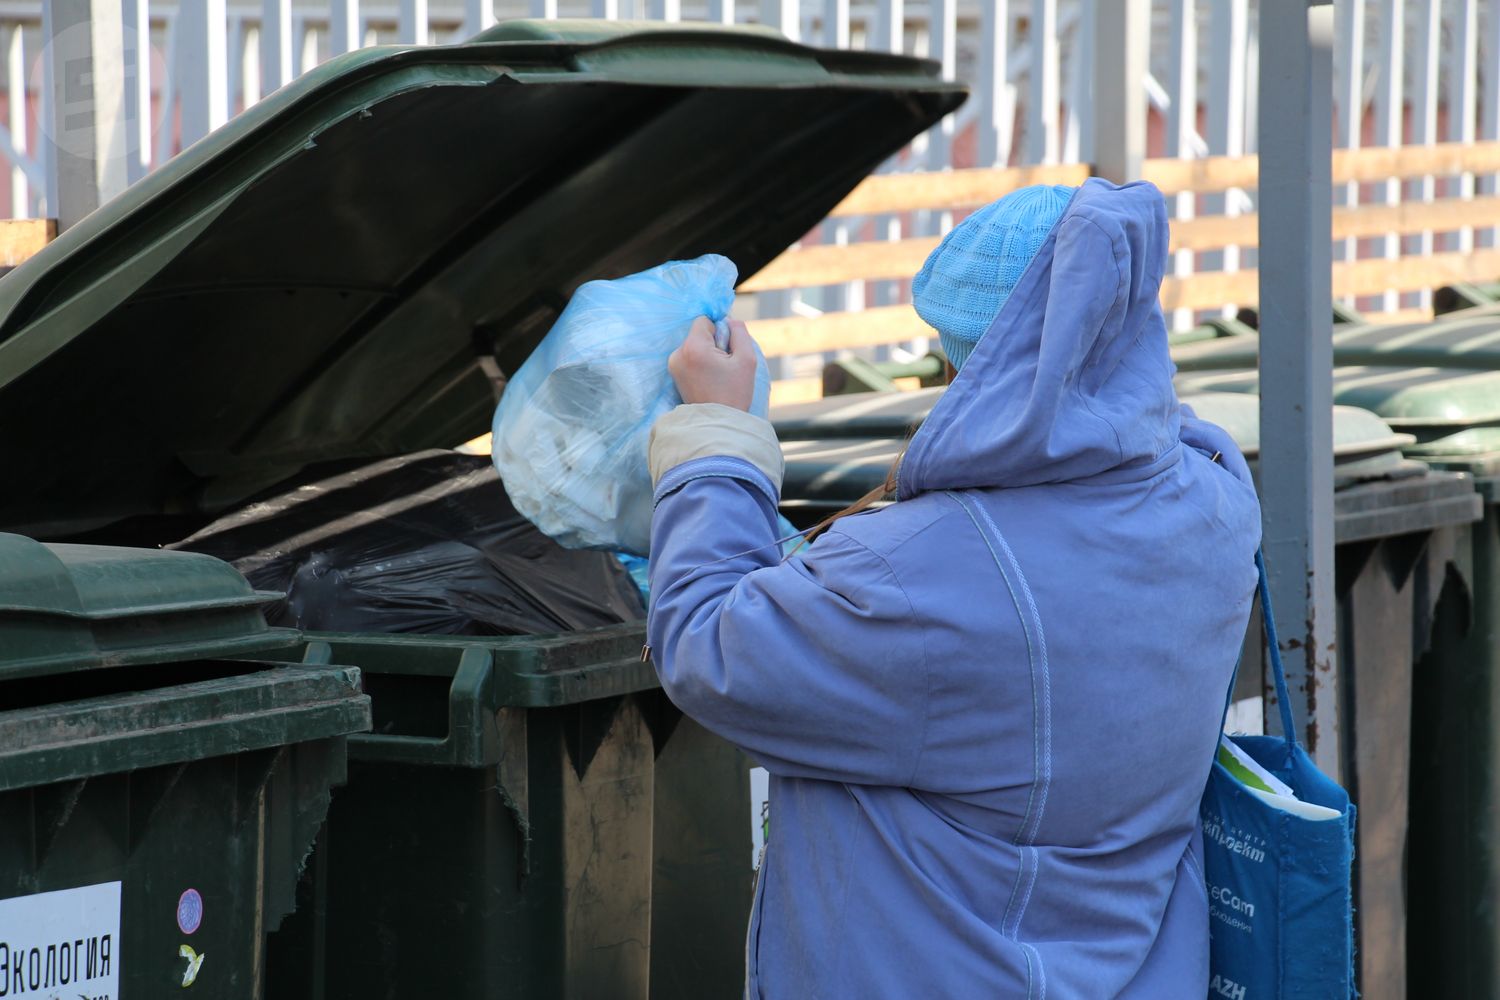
317,279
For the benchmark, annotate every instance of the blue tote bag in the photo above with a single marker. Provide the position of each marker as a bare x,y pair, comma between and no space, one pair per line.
1280,912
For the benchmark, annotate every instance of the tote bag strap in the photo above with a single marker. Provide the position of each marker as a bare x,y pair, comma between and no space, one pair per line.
1273,649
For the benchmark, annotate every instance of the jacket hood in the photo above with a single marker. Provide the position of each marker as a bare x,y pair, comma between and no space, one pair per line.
1072,380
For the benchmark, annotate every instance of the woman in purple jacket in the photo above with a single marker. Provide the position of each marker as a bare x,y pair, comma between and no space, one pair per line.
989,708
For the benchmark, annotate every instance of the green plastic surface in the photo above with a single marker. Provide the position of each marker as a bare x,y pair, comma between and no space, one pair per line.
1357,433
233,828
839,449
71,607
318,279
1430,379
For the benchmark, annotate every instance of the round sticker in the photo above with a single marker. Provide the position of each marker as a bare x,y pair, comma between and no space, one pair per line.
189,911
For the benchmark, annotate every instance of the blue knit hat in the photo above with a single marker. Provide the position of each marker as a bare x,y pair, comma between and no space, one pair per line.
966,280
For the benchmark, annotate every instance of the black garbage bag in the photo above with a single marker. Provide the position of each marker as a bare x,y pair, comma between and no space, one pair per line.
427,542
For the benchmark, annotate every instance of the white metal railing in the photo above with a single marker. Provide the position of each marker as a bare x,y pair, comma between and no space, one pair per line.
1030,62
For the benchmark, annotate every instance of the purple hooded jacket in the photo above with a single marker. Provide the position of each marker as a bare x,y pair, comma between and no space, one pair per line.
989,709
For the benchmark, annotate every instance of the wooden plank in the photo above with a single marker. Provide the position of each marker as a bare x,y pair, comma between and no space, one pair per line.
1220,173
796,390
954,189
1361,277
1415,161
1209,232
1409,217
970,188
21,238
1448,215
837,331
1365,277
1208,174
1210,290
1205,290
828,264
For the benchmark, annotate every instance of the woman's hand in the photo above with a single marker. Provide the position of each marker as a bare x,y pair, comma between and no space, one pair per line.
705,374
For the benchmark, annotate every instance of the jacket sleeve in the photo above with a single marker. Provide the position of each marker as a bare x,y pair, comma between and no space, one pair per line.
814,666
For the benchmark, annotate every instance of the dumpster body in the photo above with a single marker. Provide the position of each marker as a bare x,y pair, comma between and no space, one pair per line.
578,836
162,775
348,271
531,762
1403,563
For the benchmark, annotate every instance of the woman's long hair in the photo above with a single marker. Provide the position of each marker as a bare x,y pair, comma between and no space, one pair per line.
886,490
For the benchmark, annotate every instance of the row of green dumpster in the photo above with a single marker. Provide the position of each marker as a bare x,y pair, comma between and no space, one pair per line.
190,799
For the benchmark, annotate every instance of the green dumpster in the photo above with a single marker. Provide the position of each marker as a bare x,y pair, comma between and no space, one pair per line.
529,762
349,270
1403,561
161,776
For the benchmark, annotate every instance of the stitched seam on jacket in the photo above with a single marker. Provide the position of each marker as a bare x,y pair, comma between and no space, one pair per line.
1026,850
710,468
1041,636
1041,970
1031,668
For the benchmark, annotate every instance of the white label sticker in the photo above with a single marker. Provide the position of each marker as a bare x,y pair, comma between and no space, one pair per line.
760,814
69,938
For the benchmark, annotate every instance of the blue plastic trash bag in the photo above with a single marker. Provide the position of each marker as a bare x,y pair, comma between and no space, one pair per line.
572,429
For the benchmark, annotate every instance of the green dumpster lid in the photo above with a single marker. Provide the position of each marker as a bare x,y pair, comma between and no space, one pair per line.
1427,402
1430,378
839,448
318,279
69,607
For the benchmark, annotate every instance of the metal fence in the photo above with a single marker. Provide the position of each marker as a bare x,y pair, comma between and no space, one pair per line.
1407,72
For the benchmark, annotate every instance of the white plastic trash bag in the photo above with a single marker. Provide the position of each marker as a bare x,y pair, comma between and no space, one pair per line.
572,428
